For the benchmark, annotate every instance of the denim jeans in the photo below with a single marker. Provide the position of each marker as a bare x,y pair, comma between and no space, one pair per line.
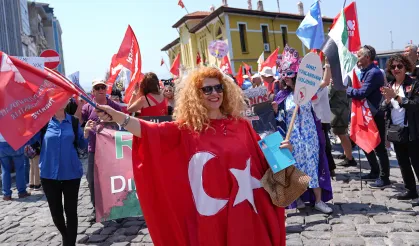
7,155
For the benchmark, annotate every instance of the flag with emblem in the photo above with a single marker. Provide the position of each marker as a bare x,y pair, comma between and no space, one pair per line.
364,131
225,66
206,187
29,97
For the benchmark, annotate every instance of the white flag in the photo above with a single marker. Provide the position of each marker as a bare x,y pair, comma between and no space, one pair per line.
260,61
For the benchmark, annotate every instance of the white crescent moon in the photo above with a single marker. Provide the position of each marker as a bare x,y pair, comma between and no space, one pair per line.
205,204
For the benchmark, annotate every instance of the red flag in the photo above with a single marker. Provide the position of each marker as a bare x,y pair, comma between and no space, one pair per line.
175,66
198,59
239,76
225,65
247,68
180,3
114,71
185,205
351,15
271,61
129,56
364,131
131,88
162,62
29,97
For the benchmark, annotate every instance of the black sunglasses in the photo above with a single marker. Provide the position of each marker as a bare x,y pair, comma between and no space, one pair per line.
100,87
207,90
399,66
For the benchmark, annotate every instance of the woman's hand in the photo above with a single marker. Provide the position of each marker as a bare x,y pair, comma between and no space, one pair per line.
388,93
90,126
275,107
105,113
286,145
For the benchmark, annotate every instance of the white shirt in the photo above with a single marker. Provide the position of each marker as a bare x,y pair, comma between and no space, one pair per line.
2,139
398,113
321,106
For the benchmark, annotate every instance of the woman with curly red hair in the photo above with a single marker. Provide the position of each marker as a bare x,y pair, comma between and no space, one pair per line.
198,178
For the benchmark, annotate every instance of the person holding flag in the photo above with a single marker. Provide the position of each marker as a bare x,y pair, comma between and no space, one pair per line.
372,80
89,116
204,169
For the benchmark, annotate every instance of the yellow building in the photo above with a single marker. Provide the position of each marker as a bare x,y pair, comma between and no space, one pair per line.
247,32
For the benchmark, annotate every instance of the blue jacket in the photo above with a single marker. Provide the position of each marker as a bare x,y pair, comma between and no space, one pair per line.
372,80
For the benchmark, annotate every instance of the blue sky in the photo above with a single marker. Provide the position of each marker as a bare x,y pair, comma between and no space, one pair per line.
94,29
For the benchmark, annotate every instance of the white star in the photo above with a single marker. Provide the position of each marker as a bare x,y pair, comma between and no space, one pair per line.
247,184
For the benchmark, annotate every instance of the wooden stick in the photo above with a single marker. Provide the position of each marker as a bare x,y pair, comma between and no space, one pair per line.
291,126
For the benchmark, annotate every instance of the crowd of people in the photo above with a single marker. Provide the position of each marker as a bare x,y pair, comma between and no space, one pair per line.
206,107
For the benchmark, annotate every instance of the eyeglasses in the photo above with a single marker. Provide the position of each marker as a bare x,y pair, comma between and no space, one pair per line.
399,66
207,90
100,87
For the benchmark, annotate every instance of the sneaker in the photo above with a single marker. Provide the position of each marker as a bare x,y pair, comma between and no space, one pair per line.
7,198
369,177
300,204
24,195
322,207
380,184
31,187
341,157
408,196
348,163
37,187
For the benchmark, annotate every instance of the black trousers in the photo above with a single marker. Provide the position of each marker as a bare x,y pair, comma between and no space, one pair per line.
54,191
408,156
383,168
90,176
330,160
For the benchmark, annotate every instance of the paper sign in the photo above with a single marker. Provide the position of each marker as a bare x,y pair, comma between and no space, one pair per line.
309,78
278,159
38,62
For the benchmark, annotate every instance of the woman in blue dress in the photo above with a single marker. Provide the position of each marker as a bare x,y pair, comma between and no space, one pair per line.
305,139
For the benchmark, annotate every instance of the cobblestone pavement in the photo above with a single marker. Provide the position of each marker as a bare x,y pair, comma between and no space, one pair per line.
361,217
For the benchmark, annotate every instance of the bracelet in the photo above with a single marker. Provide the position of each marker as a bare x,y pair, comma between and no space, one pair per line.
126,121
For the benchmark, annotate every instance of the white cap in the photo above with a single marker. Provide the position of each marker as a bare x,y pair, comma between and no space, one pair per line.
267,72
256,75
245,76
98,82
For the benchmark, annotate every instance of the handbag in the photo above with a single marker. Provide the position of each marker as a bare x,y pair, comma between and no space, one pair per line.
286,186
398,134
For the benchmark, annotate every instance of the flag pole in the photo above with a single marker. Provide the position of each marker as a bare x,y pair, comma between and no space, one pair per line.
360,167
344,4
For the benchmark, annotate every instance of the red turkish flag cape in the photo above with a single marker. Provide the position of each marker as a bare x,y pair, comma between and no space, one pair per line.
204,189
225,65
247,68
271,61
364,131
351,15
175,66
239,76
29,98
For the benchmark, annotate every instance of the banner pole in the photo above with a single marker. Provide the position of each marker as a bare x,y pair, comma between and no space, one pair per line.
291,126
344,4
360,167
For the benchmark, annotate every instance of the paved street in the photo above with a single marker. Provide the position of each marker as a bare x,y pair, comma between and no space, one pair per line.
361,217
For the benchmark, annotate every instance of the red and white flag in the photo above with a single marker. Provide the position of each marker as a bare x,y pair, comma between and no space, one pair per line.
198,59
364,131
128,56
239,76
351,16
261,60
29,97
271,60
162,62
180,3
175,66
247,68
225,65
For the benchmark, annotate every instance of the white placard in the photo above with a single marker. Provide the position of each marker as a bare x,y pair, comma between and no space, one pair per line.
38,62
309,78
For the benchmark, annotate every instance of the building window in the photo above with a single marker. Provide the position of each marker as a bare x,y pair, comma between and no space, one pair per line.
220,34
265,34
284,31
243,35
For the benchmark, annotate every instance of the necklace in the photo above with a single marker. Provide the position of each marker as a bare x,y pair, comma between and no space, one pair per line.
397,89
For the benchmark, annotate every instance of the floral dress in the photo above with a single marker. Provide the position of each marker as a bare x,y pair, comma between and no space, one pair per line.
304,139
